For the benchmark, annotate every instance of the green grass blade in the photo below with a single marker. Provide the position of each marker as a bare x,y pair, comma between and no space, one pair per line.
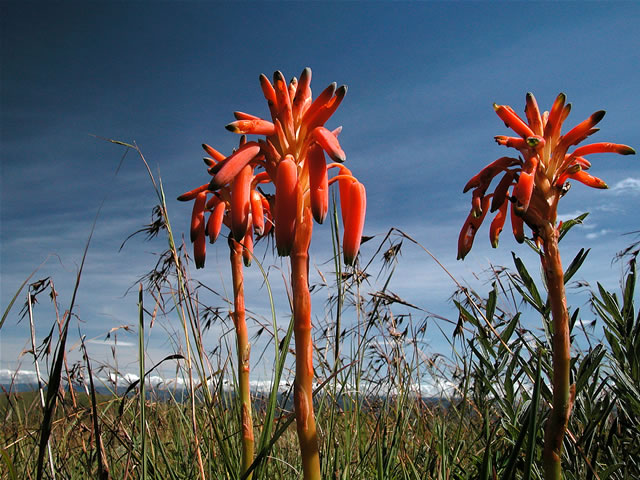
533,422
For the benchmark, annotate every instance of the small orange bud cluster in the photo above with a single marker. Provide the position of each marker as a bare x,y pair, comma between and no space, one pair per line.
239,205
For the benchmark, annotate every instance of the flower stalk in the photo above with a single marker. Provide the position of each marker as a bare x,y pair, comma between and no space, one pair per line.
292,158
563,392
531,186
245,211
303,385
243,351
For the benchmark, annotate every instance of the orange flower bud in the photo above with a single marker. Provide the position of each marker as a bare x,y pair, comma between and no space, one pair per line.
286,203
517,225
356,208
197,215
257,212
329,143
497,224
214,225
469,229
191,194
247,246
253,127
513,121
240,202
200,248
226,170
318,183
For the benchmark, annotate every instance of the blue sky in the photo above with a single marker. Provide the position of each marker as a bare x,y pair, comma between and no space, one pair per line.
418,123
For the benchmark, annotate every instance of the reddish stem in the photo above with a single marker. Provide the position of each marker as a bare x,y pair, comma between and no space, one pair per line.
562,392
244,350
303,386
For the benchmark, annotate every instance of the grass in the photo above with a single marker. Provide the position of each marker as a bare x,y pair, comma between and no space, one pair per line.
372,421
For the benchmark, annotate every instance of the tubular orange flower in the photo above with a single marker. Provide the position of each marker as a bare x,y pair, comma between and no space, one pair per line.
538,180
318,183
286,205
356,207
241,202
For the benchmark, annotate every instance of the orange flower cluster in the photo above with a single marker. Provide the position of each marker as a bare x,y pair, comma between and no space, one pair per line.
533,183
292,157
239,205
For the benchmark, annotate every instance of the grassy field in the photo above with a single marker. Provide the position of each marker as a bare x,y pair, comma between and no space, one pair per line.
372,421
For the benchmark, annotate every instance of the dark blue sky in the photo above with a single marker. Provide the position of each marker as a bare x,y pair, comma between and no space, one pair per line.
417,124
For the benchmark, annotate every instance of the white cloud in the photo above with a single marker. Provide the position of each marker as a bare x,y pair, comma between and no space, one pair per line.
111,342
627,186
597,234
21,376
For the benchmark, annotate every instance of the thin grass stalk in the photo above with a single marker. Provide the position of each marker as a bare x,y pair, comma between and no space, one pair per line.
303,385
101,456
55,374
39,377
182,293
562,395
243,351
194,423
143,430
59,322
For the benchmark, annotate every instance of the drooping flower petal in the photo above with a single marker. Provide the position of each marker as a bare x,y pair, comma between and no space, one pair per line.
214,225
524,188
513,121
240,202
517,224
252,127
354,221
500,193
603,147
268,224
191,194
318,183
197,215
226,170
213,153
200,248
247,246
286,203
497,224
589,180
469,229
257,212
484,176
329,143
